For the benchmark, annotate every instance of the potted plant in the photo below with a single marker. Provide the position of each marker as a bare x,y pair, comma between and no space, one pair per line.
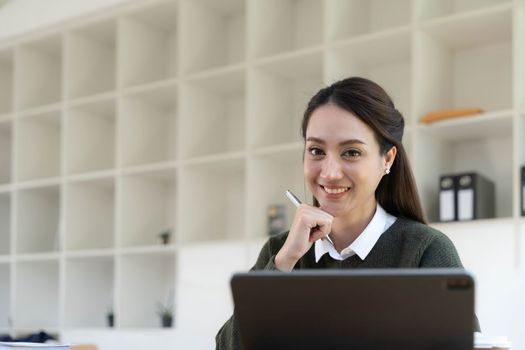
164,237
110,317
165,311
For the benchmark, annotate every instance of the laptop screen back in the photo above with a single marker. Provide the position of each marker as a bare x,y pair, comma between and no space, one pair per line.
393,309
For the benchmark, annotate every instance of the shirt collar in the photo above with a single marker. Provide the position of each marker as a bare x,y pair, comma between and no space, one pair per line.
363,244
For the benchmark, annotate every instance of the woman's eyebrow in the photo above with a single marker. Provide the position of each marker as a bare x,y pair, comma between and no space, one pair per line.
344,143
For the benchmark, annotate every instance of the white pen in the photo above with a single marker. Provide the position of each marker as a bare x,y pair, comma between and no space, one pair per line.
295,201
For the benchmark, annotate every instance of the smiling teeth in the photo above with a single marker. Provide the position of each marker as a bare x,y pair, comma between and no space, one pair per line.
336,190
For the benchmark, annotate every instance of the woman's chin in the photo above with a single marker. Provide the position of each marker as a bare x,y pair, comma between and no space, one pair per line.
334,210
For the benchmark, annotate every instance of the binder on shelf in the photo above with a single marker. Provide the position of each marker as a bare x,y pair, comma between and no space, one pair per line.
475,197
447,198
466,196
522,191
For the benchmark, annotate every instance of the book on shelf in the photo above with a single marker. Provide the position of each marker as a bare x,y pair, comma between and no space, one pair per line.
445,114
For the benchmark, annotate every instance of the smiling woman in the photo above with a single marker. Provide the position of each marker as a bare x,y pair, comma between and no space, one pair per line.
364,192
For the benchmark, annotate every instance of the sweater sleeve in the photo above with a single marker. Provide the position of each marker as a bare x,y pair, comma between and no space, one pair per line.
440,253
228,337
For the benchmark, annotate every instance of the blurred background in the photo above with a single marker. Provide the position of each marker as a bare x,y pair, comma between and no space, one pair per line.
145,147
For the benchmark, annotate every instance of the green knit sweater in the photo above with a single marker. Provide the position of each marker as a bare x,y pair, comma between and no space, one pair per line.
406,244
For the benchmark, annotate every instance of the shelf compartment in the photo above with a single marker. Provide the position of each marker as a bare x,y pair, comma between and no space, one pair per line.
444,150
39,73
90,137
6,81
90,64
5,223
88,291
212,34
347,19
38,146
37,291
456,59
279,92
38,220
89,212
147,207
367,59
5,295
148,45
6,149
269,176
213,108
212,196
145,280
429,9
278,26
148,126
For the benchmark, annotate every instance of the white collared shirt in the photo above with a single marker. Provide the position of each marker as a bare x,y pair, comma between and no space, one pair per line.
363,244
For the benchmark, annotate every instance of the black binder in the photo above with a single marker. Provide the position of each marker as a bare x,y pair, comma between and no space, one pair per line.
475,197
447,198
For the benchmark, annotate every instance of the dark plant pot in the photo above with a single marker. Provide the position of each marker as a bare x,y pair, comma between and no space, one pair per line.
111,320
165,238
167,321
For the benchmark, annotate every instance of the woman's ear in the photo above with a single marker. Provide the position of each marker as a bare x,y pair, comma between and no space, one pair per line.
390,156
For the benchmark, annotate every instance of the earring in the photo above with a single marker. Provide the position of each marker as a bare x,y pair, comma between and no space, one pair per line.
387,171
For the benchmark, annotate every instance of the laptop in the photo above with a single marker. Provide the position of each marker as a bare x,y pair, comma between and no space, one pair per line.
362,309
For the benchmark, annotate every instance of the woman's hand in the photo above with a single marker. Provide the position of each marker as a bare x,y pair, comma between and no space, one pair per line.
309,224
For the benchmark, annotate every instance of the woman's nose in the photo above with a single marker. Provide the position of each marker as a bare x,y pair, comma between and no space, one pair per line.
331,169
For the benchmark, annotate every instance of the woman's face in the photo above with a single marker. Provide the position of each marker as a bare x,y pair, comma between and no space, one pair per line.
342,163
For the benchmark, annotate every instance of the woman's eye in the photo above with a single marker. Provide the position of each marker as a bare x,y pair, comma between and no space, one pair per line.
314,151
351,153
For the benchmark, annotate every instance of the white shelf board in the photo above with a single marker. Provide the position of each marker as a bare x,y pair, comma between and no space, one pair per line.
215,158
92,175
492,124
149,249
32,257
89,253
40,110
446,226
157,85
102,97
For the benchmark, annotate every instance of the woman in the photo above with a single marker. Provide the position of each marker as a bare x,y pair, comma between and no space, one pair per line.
365,197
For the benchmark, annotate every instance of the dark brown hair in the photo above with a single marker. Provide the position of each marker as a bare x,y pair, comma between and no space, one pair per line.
396,192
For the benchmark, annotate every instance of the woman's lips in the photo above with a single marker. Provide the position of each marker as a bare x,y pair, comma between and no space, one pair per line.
334,190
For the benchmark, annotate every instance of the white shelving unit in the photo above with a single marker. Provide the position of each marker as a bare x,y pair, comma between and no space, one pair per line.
184,116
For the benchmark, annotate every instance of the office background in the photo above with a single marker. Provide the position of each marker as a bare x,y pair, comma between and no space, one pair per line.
121,120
